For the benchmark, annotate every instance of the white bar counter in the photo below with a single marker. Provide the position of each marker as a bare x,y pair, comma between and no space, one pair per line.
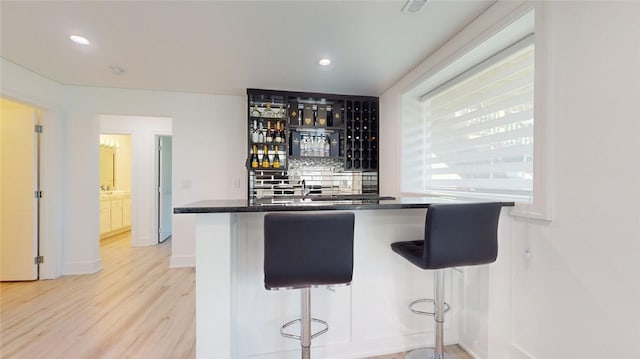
236,317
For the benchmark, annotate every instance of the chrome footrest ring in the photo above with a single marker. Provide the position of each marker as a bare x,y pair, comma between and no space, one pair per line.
298,337
418,301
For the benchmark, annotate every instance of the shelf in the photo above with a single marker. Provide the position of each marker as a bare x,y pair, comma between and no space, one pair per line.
315,157
283,144
283,118
315,128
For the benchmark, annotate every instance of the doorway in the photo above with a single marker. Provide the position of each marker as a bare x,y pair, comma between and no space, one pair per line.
164,188
19,192
115,184
144,132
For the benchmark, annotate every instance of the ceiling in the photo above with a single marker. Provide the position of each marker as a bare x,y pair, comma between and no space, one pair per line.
224,47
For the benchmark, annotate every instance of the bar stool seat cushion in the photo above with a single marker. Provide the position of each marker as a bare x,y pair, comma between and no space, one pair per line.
308,249
455,235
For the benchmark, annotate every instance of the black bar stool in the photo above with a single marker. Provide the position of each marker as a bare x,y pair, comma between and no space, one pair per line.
454,235
304,250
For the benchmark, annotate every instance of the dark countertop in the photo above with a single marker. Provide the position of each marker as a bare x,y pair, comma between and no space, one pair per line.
318,204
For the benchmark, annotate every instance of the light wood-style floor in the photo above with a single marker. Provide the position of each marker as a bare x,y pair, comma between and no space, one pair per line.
136,307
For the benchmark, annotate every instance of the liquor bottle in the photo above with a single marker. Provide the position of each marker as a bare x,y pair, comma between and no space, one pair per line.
265,157
254,134
254,157
267,136
278,134
336,112
308,115
276,159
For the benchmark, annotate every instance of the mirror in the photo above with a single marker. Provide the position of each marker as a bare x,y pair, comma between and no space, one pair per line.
115,162
107,167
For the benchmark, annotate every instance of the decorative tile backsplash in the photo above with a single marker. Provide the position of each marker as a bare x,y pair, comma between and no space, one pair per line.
325,178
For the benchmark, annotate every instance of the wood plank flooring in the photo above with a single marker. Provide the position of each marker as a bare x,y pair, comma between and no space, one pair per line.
136,307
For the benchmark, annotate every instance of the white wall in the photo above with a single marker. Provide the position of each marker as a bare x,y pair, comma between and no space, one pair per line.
583,273
576,294
204,127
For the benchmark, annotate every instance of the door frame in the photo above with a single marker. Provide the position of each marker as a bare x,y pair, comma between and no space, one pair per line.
158,186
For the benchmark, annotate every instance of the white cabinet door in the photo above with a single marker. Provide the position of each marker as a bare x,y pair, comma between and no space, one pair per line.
105,216
116,214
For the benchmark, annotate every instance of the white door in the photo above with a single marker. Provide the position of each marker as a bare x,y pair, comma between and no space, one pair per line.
165,208
18,184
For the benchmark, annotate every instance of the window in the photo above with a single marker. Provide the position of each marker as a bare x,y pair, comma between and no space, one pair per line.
479,128
468,129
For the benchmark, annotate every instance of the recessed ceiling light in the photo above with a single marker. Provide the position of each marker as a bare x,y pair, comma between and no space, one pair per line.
324,62
79,39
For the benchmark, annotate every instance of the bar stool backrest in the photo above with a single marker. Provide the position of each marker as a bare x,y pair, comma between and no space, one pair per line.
460,235
308,249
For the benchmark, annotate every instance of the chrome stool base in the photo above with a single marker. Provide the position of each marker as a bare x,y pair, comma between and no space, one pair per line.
427,353
299,337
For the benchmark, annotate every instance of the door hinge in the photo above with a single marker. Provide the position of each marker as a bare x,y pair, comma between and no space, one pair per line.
39,194
38,128
39,260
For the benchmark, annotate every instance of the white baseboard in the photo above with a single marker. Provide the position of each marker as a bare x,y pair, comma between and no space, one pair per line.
515,352
75,268
182,261
471,353
519,353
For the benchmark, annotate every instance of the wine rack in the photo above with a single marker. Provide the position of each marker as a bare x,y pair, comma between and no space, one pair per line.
361,135
311,130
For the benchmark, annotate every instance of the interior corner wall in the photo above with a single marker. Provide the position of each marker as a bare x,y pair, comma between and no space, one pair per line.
572,289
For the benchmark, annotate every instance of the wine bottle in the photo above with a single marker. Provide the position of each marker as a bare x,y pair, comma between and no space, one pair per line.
254,133
265,157
276,159
254,157
278,134
267,136
261,134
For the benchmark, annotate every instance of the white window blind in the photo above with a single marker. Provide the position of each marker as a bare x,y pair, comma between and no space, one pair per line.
477,130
